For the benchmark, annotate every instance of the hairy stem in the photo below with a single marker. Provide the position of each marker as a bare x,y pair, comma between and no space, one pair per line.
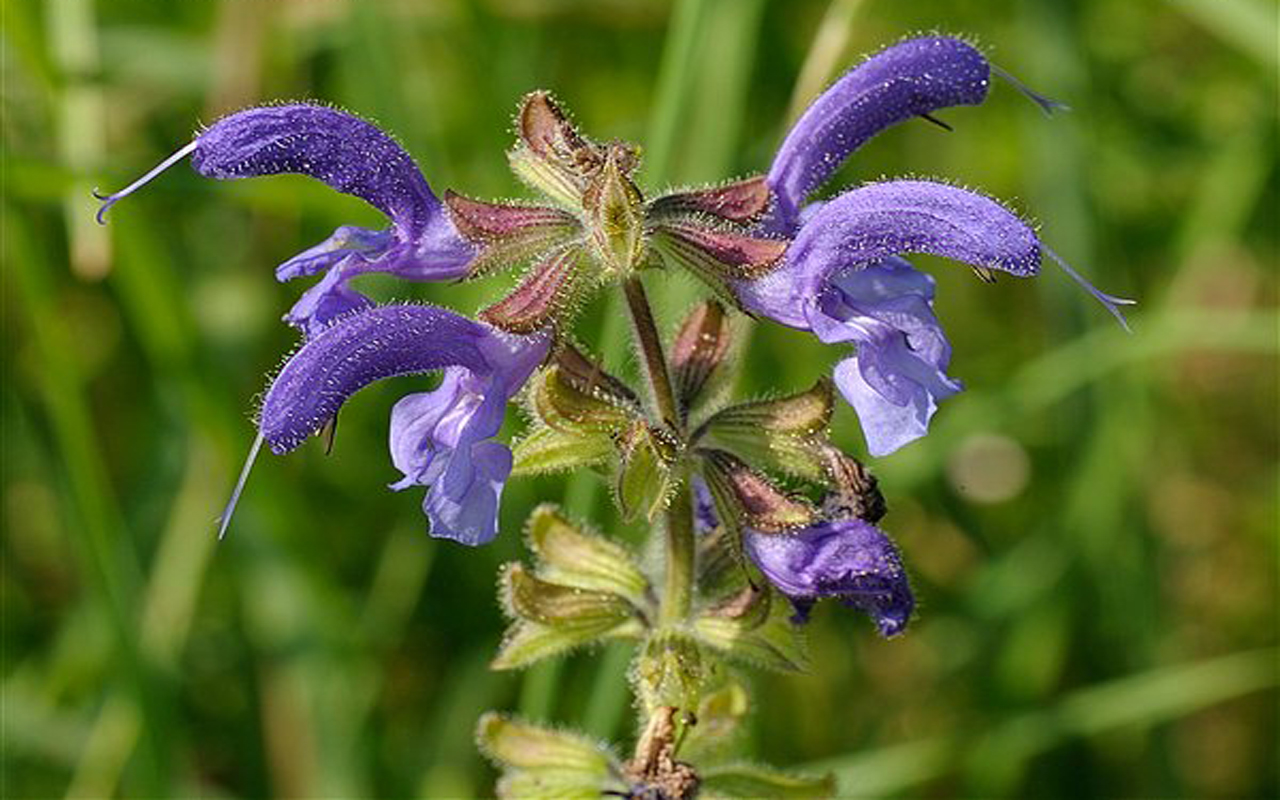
651,349
677,590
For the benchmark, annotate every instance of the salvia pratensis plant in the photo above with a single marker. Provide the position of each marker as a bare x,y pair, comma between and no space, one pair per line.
744,558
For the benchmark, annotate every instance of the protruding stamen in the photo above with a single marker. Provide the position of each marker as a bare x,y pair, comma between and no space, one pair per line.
108,200
1111,302
225,519
1047,104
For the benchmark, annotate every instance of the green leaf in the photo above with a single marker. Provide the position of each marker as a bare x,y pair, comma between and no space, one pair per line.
573,557
750,780
549,450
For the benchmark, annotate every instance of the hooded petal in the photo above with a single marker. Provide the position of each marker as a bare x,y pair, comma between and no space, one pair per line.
354,157
910,79
870,223
342,150
847,559
438,438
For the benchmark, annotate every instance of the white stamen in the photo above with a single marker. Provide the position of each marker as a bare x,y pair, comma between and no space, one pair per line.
109,200
225,519
1110,301
1047,104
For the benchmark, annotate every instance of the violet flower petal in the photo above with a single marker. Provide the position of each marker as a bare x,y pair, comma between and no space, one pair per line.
873,222
342,150
438,438
907,80
354,157
899,374
847,559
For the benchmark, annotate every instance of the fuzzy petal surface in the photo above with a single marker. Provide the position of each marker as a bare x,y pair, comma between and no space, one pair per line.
909,79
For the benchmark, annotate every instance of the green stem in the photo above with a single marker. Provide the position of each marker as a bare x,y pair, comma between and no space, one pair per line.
677,590
651,349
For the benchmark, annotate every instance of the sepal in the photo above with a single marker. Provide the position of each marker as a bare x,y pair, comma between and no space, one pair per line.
507,234
645,479
550,618
751,780
546,450
787,434
699,348
571,556
615,209
546,293
716,255
550,155
542,762
757,632
559,399
745,497
855,492
741,202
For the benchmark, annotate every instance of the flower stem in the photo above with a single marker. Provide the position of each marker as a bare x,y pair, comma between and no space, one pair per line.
651,349
677,591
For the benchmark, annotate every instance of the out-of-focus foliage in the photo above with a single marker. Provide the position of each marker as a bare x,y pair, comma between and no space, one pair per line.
1091,527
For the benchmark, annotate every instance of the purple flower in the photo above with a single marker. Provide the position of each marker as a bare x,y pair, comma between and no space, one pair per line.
842,278
439,439
354,157
847,559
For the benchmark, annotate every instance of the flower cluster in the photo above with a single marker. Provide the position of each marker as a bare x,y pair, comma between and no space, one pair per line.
712,471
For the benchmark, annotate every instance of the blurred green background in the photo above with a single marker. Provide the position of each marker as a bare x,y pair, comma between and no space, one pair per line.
1091,528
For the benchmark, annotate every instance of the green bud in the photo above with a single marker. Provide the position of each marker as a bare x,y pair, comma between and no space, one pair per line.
558,402
644,481
573,557
751,780
527,642
615,211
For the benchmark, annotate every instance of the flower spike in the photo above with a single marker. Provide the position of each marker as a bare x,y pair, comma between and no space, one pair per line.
108,200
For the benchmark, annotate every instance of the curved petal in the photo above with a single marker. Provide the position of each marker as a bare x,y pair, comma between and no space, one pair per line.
847,559
340,149
439,439
909,79
873,222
